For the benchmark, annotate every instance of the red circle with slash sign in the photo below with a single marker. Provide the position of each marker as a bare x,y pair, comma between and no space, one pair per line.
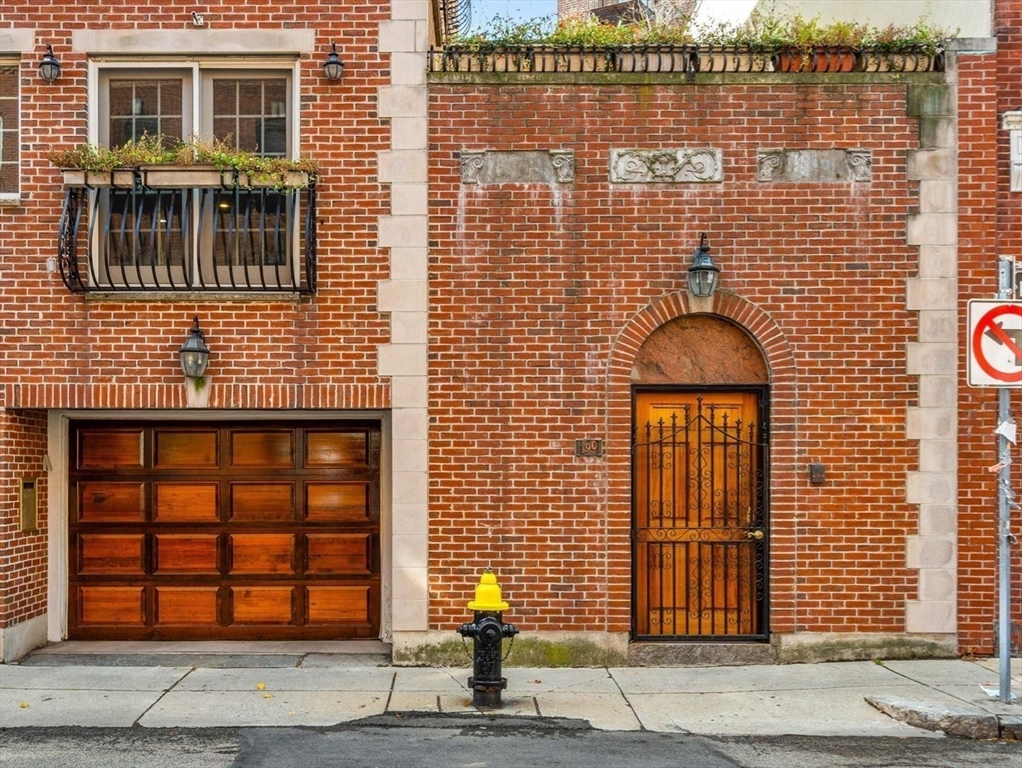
986,324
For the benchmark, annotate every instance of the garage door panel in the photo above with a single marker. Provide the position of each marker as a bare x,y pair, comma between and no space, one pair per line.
263,605
261,553
337,502
338,605
251,502
337,449
224,530
111,554
111,502
185,553
339,553
117,606
186,606
176,449
185,502
110,449
263,449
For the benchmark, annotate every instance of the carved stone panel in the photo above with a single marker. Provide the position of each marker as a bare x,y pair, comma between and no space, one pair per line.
556,166
822,165
683,165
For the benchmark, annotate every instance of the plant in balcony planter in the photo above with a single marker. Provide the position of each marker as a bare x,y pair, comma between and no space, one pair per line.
196,163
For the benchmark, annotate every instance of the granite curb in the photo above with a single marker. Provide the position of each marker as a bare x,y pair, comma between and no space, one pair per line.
960,721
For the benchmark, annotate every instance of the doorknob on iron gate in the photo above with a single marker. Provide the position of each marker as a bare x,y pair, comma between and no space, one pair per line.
757,535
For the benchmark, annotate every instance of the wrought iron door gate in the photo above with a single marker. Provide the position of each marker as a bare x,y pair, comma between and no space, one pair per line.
699,521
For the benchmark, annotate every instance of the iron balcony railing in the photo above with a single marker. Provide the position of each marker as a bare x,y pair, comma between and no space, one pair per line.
679,59
227,238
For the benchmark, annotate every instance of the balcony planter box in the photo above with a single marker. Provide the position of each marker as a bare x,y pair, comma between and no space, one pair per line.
185,176
119,177
287,180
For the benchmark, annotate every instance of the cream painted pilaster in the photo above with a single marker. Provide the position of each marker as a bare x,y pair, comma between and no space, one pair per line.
405,296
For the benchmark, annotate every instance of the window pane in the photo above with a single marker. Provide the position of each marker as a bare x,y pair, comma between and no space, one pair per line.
9,134
140,107
254,112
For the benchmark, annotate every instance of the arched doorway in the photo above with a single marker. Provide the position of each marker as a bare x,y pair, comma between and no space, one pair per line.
699,483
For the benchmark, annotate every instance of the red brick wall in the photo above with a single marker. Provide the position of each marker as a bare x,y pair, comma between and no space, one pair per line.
1008,22
63,338
984,187
62,350
22,553
532,288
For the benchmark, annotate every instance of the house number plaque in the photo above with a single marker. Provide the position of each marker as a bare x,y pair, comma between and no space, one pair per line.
589,447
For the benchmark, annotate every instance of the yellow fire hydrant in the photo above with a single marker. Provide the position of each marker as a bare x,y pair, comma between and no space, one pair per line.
487,632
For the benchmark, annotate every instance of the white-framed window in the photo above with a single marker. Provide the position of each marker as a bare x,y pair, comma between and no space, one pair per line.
234,238
10,132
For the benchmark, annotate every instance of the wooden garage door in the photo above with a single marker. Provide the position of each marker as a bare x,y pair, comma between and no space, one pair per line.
224,531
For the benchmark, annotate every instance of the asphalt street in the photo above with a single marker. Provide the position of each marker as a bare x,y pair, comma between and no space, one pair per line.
478,743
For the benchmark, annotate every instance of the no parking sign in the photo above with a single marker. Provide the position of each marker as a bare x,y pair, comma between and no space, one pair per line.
995,343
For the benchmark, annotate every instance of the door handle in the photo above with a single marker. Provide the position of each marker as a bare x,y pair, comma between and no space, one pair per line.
757,535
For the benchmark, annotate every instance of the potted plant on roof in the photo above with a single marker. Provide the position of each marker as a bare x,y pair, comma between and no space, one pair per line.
503,46
898,48
658,44
583,43
807,45
727,47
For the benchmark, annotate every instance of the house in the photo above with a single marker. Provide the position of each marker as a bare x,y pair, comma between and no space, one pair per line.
440,352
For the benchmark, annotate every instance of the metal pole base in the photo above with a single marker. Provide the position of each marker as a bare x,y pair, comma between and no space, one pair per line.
486,695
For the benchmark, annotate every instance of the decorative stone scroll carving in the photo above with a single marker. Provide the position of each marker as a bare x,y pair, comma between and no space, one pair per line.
556,166
679,166
822,165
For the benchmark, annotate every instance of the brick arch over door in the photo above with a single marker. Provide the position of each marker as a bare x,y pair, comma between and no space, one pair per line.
700,349
626,357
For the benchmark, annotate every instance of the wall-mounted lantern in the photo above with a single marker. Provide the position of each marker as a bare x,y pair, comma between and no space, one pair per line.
333,67
194,354
49,67
703,274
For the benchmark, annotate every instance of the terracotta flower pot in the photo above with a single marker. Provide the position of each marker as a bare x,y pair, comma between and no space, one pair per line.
819,59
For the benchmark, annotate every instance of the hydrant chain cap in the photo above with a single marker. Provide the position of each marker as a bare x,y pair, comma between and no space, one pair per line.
487,595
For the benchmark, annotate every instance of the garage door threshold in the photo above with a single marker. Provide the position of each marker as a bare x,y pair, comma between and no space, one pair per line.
212,654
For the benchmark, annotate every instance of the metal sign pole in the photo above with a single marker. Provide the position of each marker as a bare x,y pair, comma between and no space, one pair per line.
1005,288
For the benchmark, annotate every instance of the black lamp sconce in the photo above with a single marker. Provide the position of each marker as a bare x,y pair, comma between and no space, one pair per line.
194,354
333,67
703,274
49,67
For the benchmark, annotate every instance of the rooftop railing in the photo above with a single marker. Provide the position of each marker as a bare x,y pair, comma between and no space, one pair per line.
678,59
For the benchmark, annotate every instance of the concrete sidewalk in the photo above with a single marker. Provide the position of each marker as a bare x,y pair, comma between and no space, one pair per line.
188,686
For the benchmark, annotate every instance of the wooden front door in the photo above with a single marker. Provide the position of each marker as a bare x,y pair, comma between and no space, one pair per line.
699,522
224,531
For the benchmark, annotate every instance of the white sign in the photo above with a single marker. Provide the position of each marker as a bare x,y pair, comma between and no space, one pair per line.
995,343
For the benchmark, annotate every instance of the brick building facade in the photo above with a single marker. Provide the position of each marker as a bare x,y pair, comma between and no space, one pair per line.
499,302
